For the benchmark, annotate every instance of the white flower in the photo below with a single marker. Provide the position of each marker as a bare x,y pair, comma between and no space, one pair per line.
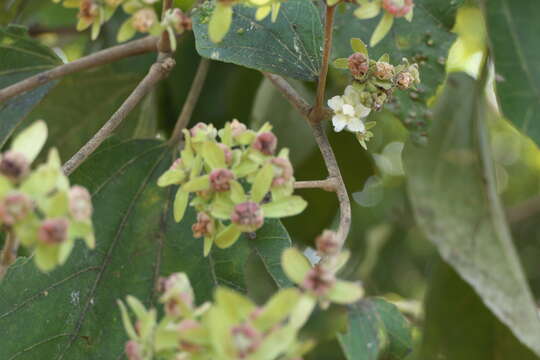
348,111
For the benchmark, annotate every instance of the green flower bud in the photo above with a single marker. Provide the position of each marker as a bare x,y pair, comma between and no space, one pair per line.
144,19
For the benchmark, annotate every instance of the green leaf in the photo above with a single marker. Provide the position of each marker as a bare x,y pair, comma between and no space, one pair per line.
376,329
295,265
72,312
382,29
31,140
290,46
220,22
512,27
21,57
287,206
358,46
426,40
451,185
474,334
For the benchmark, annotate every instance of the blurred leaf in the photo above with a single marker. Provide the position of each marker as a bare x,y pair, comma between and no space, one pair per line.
512,27
458,325
376,330
71,312
291,46
451,186
425,40
21,57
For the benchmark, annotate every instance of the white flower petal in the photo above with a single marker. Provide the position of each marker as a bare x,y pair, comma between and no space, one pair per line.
348,110
339,121
356,125
336,103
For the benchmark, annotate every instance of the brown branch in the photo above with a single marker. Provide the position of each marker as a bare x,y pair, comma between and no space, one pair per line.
9,252
328,184
191,100
137,47
164,44
523,210
158,71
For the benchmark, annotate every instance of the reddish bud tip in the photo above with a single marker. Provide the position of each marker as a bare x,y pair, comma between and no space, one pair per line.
398,8
133,351
88,10
144,19
319,281
228,153
220,179
266,143
248,215
384,70
358,65
14,165
80,203
237,128
404,80
327,243
204,225
284,171
14,207
53,231
246,340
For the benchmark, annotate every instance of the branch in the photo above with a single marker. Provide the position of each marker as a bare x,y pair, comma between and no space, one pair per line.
158,71
137,47
191,100
328,184
290,93
164,44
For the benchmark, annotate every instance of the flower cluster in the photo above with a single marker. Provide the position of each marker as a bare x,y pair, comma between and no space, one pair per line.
231,328
39,208
222,13
143,19
373,83
392,9
219,173
320,281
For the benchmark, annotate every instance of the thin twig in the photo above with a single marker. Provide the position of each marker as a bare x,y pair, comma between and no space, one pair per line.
191,100
318,110
158,71
106,56
164,44
290,93
523,210
9,252
328,184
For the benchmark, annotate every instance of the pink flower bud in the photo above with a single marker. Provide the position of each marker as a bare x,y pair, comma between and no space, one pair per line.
358,65
181,21
327,243
178,164
80,203
204,225
398,8
266,143
53,231
177,294
248,216
202,129
14,207
284,171
133,350
319,280
384,70
144,19
228,153
220,179
237,128
246,340
88,10
404,80
14,165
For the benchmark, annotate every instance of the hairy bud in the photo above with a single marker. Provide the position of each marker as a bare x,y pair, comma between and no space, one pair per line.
384,70
80,203
14,207
177,294
319,280
358,65
404,80
133,350
144,19
284,171
14,165
246,340
248,216
53,231
220,179
327,243
237,128
398,8
88,10
204,225
203,130
266,143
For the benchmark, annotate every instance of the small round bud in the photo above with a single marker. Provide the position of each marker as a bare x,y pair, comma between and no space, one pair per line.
53,231
266,143
133,350
404,80
228,153
14,207
246,340
327,243
144,19
80,203
319,280
180,21
203,130
237,128
220,179
398,8
204,226
284,171
384,70
14,165
379,98
248,216
88,10
177,294
358,65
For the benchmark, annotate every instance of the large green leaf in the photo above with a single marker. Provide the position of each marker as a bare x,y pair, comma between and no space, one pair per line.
71,313
458,325
291,46
512,28
21,57
376,329
452,190
426,41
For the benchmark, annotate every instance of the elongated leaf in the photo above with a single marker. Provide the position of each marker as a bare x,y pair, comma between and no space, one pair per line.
458,325
512,27
291,46
21,57
71,313
376,329
426,41
451,186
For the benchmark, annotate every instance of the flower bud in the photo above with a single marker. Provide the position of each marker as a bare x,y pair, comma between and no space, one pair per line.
88,10
327,243
266,143
404,80
246,339
144,19
80,203
204,225
14,207
14,165
204,131
398,8
180,21
177,294
248,216
284,171
187,325
384,70
220,179
319,280
228,153
358,65
53,231
237,128
133,350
